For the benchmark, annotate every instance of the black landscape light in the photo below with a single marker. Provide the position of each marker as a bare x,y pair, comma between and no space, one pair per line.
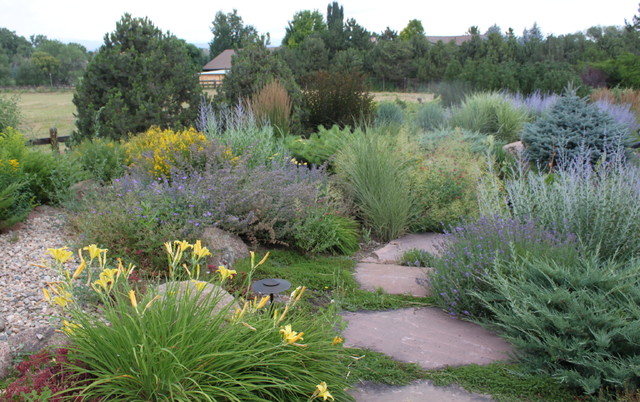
271,286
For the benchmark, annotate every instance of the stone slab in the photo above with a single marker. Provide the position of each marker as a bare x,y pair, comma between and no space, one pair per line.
420,391
391,253
393,279
426,336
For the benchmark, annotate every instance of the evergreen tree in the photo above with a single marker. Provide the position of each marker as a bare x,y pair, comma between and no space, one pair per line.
229,32
140,77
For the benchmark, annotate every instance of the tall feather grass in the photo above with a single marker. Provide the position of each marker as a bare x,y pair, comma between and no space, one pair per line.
374,168
272,104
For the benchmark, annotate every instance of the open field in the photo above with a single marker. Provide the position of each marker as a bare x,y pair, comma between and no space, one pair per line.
403,96
43,110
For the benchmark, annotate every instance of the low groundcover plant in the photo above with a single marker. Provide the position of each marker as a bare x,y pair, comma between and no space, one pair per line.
182,345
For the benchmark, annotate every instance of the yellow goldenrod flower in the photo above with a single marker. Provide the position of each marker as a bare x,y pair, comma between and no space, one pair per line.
132,298
79,270
14,164
61,255
225,273
336,340
200,251
322,392
289,336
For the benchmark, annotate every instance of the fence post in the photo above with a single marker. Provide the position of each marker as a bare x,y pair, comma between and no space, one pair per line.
53,138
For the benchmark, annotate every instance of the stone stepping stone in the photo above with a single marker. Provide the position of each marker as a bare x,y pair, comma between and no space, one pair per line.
419,391
393,279
426,336
391,253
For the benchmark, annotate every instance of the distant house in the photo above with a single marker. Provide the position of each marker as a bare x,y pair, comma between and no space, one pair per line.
214,71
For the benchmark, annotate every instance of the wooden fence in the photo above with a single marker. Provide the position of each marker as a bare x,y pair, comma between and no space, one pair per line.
53,139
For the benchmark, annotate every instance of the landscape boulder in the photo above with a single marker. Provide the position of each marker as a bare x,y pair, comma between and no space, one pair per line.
225,247
514,148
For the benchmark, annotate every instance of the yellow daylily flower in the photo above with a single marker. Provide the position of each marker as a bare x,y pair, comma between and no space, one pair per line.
106,280
199,284
132,298
200,251
69,327
79,270
169,246
61,255
47,295
297,294
289,336
263,302
322,391
225,273
240,313
183,245
336,340
94,251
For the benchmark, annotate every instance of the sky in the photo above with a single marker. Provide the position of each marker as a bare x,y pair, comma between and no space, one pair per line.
87,21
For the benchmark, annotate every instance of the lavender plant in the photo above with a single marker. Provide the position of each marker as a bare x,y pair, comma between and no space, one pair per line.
536,103
620,113
598,203
470,252
138,211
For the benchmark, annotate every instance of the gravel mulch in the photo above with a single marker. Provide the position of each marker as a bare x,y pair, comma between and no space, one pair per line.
22,307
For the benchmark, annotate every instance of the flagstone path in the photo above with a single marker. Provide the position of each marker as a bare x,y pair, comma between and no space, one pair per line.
426,336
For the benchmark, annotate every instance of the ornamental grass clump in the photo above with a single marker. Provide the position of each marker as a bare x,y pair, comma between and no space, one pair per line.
491,114
272,105
375,171
176,346
470,252
576,321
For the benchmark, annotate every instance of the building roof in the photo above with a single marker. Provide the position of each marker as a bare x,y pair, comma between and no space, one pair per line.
458,40
221,61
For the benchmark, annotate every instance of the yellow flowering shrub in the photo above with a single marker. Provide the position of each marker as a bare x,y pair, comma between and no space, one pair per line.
157,150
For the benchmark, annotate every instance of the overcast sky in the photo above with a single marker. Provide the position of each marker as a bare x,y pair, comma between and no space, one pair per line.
89,20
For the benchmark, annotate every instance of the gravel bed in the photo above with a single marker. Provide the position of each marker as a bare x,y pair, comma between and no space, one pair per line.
22,306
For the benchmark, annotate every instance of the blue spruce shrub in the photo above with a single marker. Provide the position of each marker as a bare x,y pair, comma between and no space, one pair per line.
570,127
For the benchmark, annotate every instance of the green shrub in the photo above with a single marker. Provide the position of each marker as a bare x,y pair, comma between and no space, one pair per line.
140,77
577,322
10,115
340,98
375,169
103,159
571,127
444,182
430,116
490,113
15,199
50,176
321,147
322,231
389,113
